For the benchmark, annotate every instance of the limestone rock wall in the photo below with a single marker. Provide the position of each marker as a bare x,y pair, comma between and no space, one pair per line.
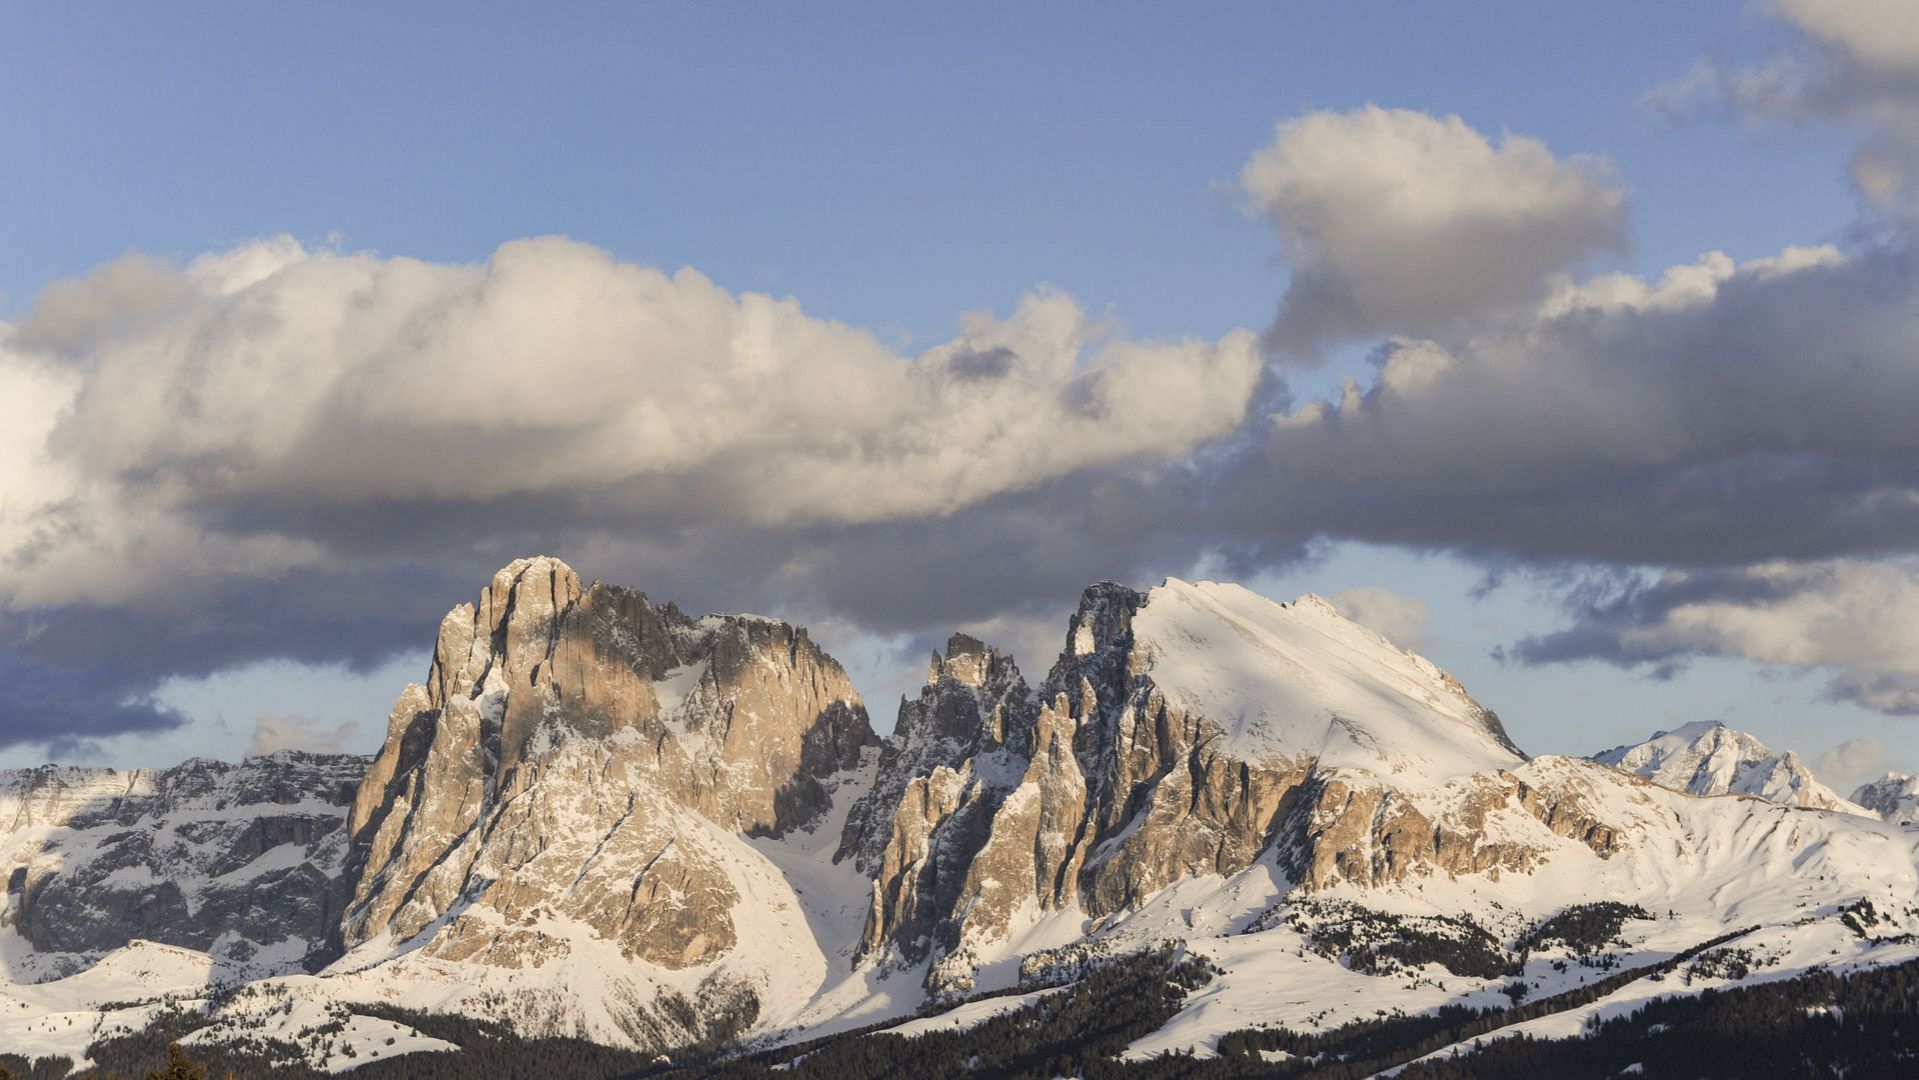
1097,794
1108,785
546,769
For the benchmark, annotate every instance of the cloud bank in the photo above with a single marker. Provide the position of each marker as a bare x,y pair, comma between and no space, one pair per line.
1858,620
282,451
276,379
1725,414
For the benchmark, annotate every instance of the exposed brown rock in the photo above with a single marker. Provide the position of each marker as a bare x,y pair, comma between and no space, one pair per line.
1099,797
568,757
1110,789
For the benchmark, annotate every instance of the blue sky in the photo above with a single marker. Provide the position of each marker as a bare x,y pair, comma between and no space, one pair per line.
892,169
889,169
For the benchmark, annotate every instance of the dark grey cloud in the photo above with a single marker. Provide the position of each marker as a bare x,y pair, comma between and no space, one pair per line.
982,363
393,568
1724,416
1855,620
63,707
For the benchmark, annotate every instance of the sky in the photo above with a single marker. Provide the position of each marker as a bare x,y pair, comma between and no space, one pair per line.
1571,346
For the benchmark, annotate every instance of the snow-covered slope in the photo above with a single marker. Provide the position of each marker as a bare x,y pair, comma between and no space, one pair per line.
1894,796
602,818
1709,758
1298,681
1700,867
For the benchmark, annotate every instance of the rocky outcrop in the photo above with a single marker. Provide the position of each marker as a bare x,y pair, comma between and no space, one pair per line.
237,860
1894,796
975,703
917,833
1094,794
579,761
1352,828
1184,731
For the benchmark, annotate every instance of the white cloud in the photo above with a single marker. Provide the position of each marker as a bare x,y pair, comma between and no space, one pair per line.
1395,220
1403,620
1878,35
1852,61
272,376
1851,763
274,733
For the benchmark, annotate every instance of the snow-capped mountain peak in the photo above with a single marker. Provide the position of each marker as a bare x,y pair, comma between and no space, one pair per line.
1298,681
1708,758
1894,796
602,818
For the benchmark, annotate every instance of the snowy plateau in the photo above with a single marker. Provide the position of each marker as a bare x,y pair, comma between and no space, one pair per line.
601,819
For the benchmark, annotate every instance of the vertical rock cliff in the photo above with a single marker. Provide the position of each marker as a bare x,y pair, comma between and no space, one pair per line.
581,760
955,755
1184,731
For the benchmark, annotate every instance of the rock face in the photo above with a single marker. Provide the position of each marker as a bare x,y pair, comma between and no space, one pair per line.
1709,758
234,860
1894,796
581,761
955,755
1184,731
600,817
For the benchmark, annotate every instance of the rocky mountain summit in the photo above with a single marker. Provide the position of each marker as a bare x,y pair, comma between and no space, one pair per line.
1894,796
1184,731
584,762
1709,758
604,819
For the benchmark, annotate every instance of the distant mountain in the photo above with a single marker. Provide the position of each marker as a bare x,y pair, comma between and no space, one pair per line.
241,862
1709,758
1894,796
605,823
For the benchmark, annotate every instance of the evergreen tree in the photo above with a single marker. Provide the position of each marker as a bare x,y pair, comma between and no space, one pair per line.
179,1067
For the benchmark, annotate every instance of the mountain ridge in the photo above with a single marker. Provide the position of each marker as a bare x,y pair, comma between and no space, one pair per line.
601,818
1706,757
1894,796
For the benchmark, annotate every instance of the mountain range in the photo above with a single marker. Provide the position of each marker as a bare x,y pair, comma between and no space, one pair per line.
599,818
